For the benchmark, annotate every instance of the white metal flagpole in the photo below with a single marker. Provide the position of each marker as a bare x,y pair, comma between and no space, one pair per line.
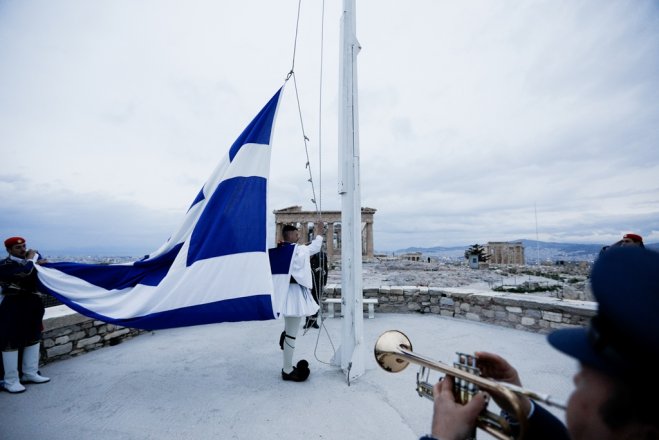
350,355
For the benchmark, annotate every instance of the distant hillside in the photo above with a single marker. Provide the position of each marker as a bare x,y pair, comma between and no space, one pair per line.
533,250
439,252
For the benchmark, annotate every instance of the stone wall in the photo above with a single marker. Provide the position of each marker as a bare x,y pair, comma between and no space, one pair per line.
520,311
67,333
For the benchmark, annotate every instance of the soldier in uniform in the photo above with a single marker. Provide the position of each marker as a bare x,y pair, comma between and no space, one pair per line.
21,314
298,300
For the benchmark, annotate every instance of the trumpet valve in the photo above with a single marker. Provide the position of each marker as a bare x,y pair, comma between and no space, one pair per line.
423,387
463,389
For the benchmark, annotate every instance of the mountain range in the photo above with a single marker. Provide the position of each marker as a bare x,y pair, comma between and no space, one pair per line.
533,251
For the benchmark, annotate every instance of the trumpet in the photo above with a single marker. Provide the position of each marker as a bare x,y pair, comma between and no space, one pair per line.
393,352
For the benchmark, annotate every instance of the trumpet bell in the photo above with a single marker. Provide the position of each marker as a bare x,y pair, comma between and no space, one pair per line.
386,347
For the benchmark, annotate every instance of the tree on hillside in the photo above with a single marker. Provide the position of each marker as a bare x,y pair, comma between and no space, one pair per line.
479,250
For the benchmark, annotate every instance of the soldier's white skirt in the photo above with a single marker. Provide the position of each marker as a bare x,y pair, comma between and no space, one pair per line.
299,302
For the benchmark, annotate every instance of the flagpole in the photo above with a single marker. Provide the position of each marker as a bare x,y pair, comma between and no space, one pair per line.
350,355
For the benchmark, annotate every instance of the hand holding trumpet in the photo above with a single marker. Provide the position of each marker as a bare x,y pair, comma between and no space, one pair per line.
495,367
451,420
455,421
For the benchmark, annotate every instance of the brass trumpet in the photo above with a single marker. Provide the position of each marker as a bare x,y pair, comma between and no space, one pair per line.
393,352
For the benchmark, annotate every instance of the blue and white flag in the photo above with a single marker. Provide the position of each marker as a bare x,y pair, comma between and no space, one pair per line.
214,268
280,266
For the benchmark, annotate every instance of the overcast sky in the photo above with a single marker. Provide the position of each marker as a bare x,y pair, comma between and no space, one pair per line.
474,115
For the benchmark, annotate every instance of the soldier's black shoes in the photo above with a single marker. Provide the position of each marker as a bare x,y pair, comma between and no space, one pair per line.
294,375
300,372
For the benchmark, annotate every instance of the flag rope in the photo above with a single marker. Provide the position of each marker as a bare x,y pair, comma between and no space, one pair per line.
317,201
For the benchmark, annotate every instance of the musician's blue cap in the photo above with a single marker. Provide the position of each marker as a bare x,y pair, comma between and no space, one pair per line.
625,330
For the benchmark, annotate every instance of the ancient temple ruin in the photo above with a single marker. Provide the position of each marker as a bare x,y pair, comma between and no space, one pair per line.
505,252
307,221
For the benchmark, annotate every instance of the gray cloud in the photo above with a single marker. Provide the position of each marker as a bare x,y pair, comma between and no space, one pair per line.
55,221
472,115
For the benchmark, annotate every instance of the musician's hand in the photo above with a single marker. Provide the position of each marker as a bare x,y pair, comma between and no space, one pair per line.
451,420
495,367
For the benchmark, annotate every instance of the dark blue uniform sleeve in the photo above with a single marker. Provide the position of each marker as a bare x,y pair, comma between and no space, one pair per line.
544,425
9,270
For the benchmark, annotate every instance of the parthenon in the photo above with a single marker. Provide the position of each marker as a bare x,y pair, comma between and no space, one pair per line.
306,221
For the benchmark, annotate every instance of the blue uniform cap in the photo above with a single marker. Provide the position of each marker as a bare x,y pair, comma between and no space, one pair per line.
625,331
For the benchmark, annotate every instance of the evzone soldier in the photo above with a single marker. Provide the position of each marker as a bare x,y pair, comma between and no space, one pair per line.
299,301
21,314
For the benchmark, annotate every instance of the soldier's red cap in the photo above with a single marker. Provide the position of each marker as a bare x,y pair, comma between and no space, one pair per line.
634,237
11,241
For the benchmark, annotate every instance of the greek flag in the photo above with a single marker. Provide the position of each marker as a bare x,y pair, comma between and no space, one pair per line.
214,268
280,266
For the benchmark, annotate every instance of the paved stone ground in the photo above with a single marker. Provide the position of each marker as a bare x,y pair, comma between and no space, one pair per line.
223,381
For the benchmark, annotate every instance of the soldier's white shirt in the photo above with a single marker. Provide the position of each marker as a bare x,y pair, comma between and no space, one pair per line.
301,265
